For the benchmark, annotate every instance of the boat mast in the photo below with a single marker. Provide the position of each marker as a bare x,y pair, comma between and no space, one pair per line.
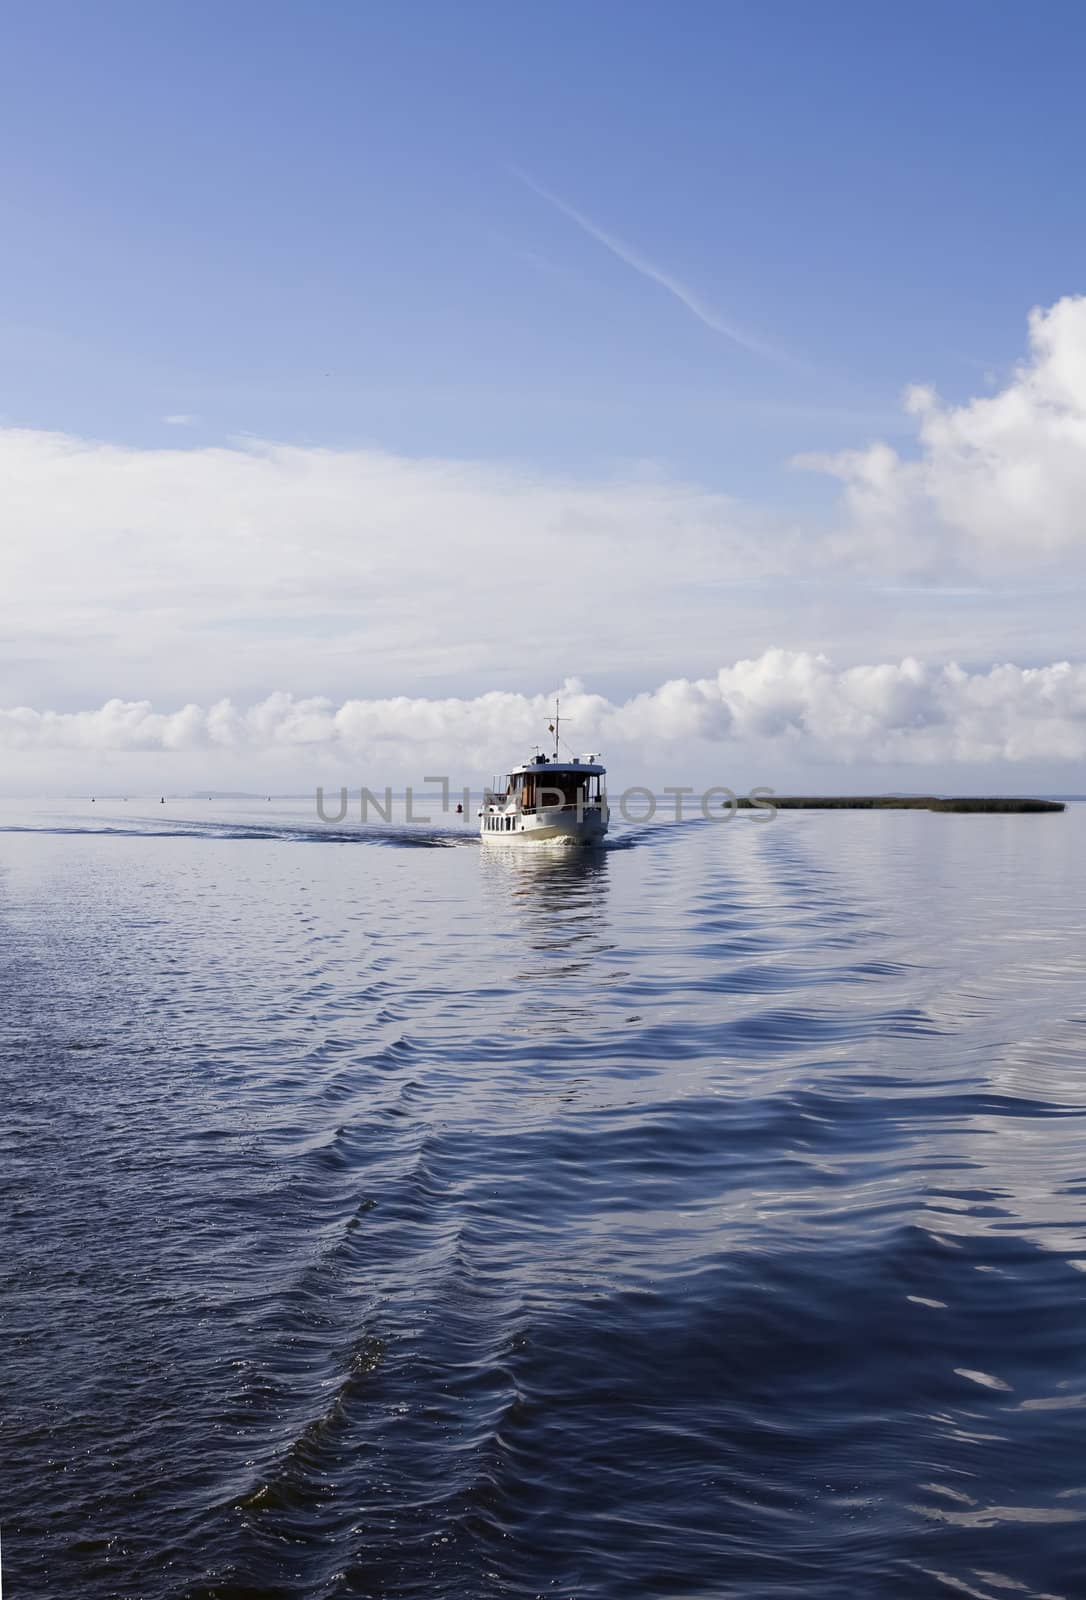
556,727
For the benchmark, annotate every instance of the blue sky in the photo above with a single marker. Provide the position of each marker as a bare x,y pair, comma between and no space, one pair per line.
305,222
357,351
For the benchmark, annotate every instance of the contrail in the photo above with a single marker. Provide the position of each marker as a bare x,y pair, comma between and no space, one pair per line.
648,269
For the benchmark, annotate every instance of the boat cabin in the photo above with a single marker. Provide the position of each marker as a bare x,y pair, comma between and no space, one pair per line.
545,785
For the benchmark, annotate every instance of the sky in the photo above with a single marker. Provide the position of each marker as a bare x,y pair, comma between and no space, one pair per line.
369,372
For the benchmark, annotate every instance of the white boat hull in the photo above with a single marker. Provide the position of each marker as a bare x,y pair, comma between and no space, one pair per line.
558,827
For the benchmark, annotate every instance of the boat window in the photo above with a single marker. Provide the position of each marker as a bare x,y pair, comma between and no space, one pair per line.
566,784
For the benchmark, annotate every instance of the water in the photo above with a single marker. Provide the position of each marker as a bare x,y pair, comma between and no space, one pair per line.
705,1217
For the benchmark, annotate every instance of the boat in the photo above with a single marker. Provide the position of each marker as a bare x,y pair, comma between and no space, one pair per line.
547,800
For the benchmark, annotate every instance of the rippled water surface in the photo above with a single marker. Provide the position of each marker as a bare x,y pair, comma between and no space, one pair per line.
701,1217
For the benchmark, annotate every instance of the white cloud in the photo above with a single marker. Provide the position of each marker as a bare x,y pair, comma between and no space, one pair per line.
179,419
998,482
189,575
905,712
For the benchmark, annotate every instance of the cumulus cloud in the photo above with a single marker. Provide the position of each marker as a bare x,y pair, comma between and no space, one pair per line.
998,482
186,575
906,712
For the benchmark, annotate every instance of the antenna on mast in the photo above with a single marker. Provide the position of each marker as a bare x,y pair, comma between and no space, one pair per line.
552,727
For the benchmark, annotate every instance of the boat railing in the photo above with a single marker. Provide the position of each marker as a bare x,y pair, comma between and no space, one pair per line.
586,803
567,805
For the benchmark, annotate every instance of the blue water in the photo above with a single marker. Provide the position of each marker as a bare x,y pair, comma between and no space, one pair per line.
389,1217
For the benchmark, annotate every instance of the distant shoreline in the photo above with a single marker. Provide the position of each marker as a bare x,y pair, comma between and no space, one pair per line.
888,802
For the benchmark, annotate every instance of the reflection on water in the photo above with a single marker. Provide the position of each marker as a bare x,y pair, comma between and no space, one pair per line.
536,870
550,905
556,895
700,1216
